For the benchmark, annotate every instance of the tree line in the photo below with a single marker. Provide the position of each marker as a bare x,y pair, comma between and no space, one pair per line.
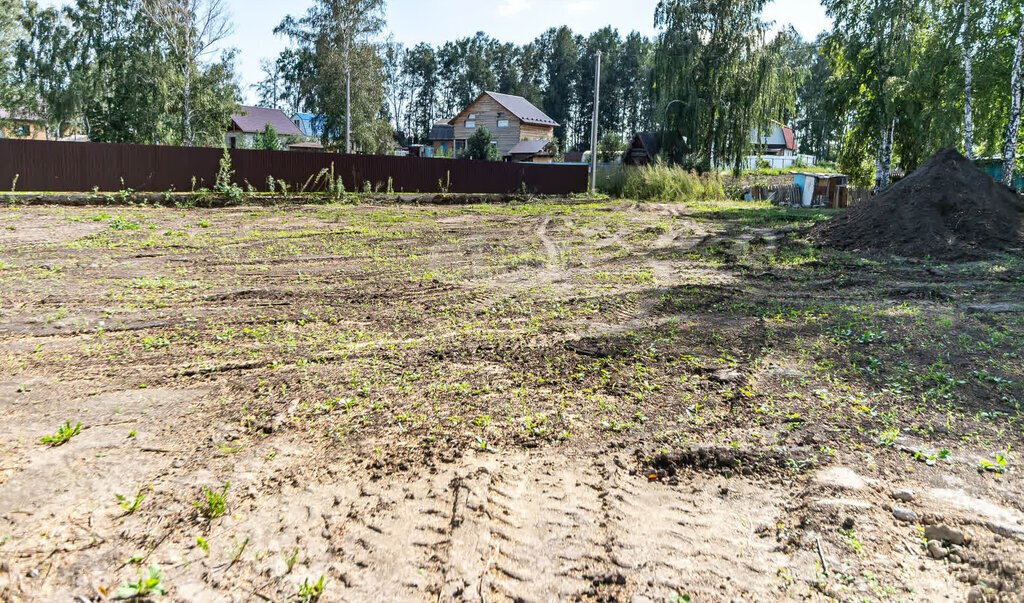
120,70
890,83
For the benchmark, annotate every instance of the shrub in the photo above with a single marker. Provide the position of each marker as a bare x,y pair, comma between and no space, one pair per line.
267,140
479,146
223,184
659,182
610,147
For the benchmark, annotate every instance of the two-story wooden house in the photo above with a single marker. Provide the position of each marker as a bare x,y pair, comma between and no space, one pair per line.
521,131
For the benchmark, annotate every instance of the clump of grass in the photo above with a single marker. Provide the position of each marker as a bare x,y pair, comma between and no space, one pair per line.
130,505
214,502
64,434
308,593
145,586
660,182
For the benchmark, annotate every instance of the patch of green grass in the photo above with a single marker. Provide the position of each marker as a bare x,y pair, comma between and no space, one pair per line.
145,586
214,502
130,505
64,434
309,593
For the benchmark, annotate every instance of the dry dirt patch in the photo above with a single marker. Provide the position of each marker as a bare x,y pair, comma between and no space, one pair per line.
543,401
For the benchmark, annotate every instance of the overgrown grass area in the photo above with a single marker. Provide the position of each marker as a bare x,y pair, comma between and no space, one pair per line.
659,182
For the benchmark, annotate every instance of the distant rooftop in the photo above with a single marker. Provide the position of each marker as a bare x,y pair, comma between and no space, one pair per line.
254,119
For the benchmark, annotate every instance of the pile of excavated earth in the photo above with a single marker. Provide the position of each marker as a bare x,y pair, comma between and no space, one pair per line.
948,209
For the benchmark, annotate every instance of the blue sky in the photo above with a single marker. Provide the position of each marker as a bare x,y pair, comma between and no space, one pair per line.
437,21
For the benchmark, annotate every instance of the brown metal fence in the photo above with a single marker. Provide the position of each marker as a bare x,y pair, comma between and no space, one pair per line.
80,166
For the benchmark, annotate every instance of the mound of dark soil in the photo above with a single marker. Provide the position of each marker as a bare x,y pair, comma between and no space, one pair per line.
948,209
731,461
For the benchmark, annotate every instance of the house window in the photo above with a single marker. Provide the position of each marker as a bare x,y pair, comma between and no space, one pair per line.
502,122
22,130
471,121
233,142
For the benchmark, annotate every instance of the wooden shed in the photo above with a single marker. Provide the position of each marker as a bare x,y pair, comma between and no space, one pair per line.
643,149
822,190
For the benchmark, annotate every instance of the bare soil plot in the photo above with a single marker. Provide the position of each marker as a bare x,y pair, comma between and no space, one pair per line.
550,401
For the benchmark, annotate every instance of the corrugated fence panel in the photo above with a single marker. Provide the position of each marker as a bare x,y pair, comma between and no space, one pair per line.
82,166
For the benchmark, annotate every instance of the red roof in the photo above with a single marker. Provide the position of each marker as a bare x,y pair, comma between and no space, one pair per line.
255,119
787,133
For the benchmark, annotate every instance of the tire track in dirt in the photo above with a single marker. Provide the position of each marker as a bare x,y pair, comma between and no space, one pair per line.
550,249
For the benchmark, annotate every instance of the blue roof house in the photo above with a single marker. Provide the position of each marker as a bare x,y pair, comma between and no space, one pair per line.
313,125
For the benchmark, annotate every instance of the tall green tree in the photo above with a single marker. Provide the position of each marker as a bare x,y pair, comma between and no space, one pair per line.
712,57
634,75
45,60
120,76
420,64
608,42
190,30
562,57
340,38
11,33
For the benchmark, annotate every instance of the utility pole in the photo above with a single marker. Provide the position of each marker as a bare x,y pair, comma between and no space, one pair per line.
348,111
593,127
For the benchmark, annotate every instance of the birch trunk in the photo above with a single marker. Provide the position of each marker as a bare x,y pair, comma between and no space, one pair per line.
186,110
1013,128
968,86
883,164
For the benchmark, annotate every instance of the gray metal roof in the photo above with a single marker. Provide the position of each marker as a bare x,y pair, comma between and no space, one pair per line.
523,109
442,132
529,147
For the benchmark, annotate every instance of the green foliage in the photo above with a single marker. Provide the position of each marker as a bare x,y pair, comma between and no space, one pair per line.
712,57
223,184
610,147
334,39
290,558
480,146
267,140
214,502
119,70
130,505
854,163
145,586
64,434
308,593
659,182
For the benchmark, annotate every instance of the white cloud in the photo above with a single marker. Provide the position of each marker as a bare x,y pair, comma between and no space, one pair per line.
579,7
511,8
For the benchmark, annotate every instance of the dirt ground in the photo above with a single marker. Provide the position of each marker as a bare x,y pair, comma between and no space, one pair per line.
562,401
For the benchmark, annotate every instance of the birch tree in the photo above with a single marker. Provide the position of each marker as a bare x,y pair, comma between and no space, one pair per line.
968,52
340,37
396,82
10,34
1013,127
191,30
